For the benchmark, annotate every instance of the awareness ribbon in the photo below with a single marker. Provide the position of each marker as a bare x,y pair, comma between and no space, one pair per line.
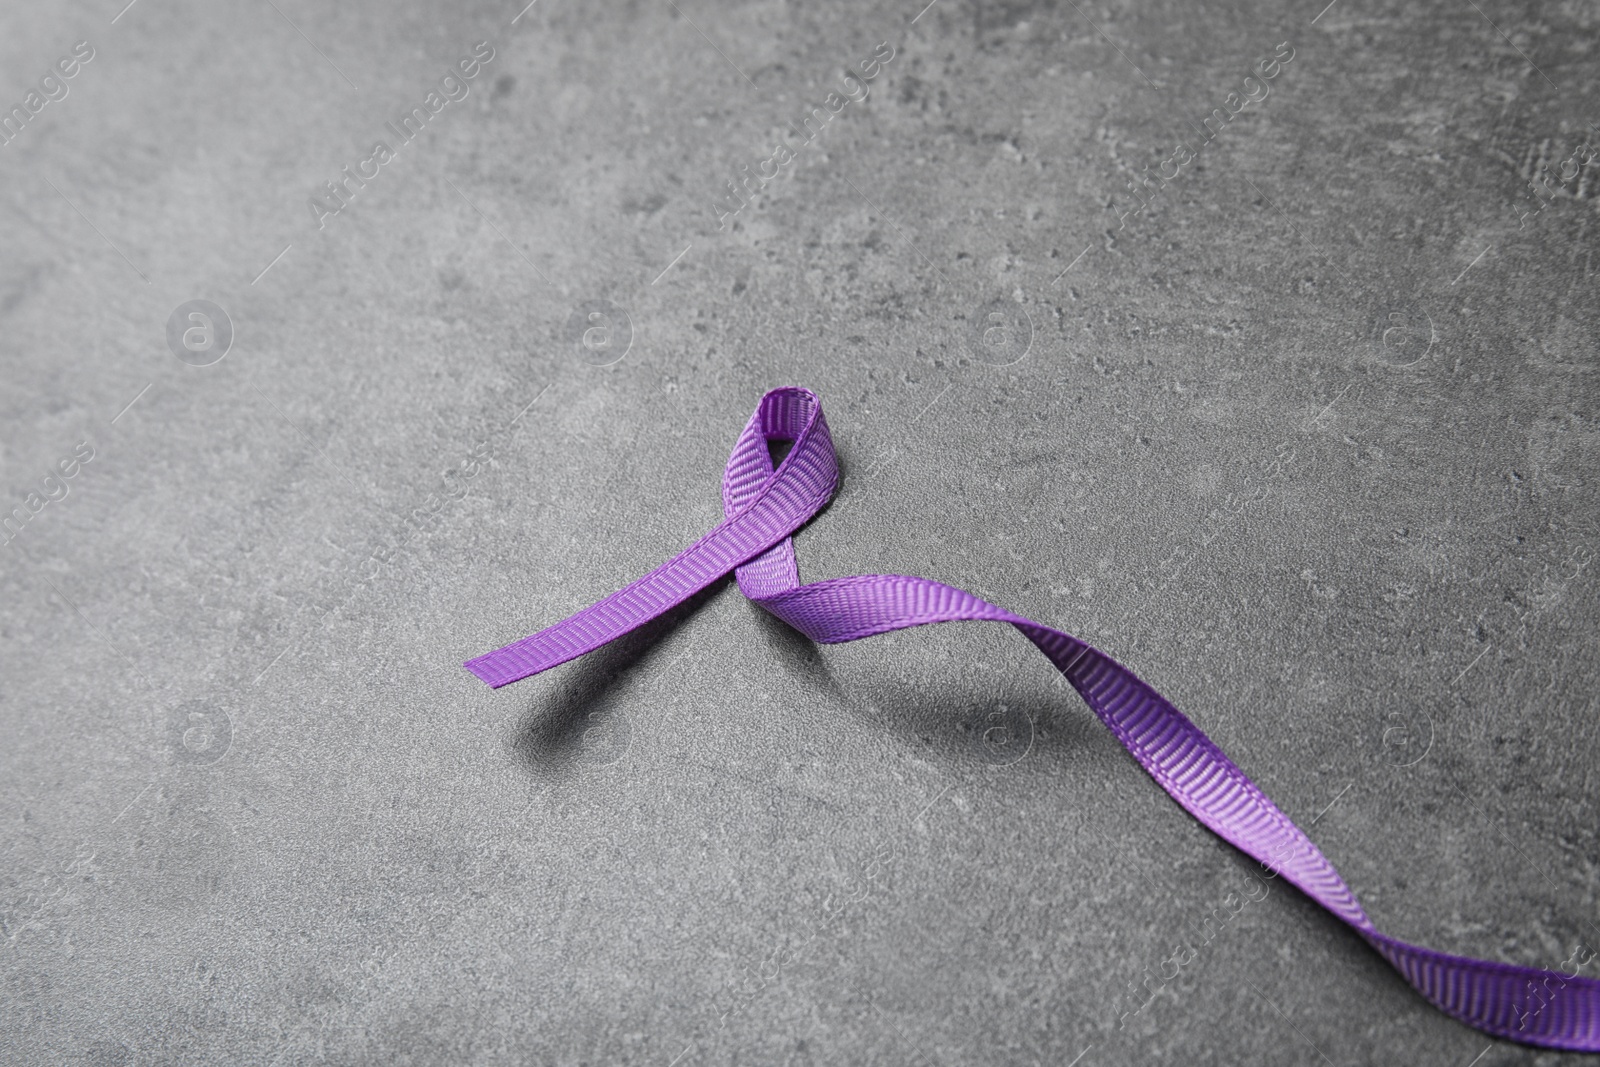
762,507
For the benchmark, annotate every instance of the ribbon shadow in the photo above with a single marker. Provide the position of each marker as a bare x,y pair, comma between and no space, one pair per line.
580,725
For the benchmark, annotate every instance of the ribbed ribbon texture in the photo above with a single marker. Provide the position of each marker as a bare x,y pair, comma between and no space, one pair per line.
763,507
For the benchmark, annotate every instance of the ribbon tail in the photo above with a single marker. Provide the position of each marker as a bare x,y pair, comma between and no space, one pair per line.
1523,1004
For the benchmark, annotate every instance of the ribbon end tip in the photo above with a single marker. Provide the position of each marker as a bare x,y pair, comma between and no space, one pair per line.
483,674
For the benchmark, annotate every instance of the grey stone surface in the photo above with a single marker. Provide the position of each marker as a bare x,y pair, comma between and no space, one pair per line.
1309,443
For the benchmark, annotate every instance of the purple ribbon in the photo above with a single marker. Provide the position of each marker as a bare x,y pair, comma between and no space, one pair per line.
762,507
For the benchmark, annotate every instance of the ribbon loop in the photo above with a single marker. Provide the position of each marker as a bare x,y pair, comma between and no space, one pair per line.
793,415
763,506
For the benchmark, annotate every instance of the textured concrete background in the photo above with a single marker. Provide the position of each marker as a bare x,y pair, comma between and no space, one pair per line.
1309,443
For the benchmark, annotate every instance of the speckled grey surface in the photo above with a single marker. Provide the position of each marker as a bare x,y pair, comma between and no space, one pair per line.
1309,442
